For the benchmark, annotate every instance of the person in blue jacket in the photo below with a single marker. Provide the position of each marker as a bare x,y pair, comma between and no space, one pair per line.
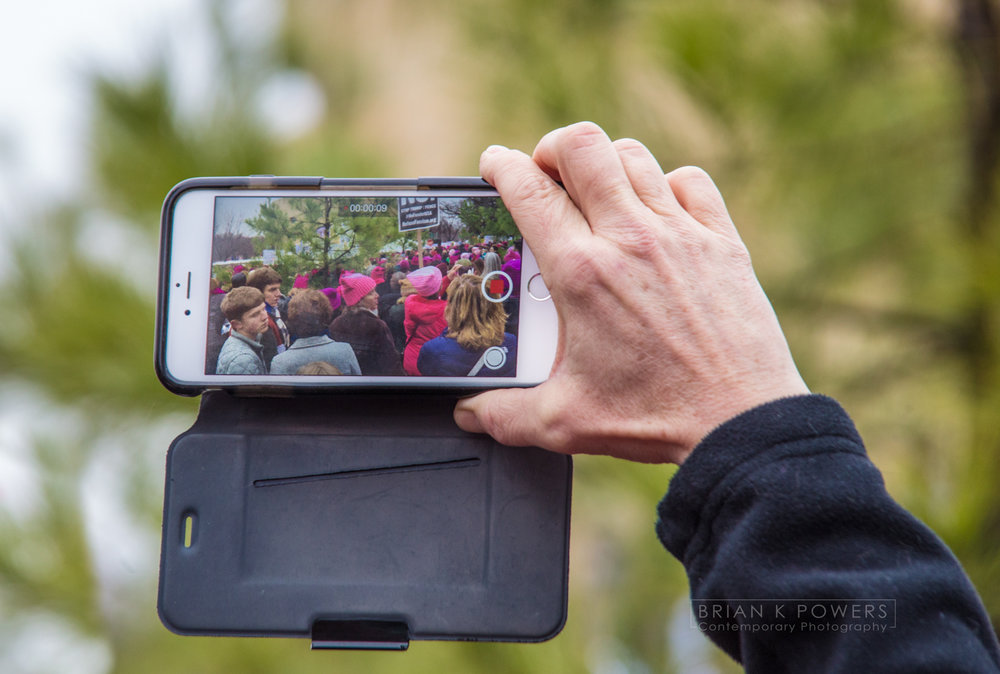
797,557
474,344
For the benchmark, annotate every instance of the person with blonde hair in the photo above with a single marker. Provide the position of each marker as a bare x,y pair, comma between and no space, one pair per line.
474,344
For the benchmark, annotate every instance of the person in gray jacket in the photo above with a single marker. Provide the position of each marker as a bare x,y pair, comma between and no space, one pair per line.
309,314
242,351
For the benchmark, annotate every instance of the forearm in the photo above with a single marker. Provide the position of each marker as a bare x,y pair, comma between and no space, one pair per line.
790,540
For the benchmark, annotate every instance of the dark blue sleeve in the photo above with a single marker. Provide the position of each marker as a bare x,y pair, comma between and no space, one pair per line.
800,561
433,358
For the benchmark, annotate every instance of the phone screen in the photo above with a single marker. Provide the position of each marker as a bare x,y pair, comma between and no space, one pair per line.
367,286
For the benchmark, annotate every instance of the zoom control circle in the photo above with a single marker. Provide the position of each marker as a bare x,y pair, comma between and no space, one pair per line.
489,287
495,357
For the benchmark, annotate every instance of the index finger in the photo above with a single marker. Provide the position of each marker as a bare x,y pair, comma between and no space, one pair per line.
543,211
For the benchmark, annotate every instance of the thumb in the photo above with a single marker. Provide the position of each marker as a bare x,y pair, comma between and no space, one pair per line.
510,416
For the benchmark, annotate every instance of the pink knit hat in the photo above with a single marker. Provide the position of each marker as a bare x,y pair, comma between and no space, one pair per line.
356,286
426,280
301,281
333,294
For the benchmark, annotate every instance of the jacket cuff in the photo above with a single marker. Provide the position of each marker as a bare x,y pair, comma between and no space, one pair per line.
740,446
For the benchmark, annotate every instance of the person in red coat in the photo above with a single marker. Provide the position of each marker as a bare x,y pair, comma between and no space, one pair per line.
424,314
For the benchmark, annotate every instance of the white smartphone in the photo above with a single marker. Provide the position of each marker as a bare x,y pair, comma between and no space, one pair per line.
389,257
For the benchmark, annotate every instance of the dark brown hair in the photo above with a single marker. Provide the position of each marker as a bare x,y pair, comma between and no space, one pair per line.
263,277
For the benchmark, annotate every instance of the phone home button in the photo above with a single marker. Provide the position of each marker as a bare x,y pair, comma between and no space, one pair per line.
537,288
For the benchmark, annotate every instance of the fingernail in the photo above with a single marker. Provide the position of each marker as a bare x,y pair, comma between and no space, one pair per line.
467,421
495,148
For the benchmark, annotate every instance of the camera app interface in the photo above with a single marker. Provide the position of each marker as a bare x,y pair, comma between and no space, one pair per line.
373,286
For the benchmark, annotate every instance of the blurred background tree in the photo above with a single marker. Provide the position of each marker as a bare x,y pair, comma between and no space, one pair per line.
856,143
314,234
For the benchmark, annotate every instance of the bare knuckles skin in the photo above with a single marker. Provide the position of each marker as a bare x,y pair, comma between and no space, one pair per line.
664,330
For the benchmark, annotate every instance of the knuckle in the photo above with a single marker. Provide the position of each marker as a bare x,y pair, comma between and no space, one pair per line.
494,422
632,147
638,239
505,421
560,421
692,172
583,135
528,187
693,239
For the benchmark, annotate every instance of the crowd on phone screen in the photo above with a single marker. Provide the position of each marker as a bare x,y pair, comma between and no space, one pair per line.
433,313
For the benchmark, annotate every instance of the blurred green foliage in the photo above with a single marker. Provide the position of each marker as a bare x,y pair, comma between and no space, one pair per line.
843,135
